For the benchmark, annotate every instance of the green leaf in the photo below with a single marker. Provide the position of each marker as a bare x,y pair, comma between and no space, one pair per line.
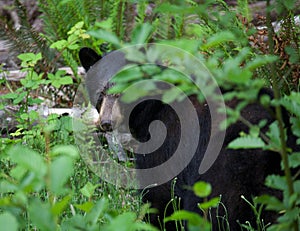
26,57
117,88
289,216
123,222
297,186
58,78
59,45
6,187
32,101
64,2
188,45
106,36
246,142
66,80
20,97
66,123
292,103
29,59
72,39
285,226
86,207
294,56
56,83
295,121
76,27
137,91
60,171
260,61
67,150
89,189
294,160
289,4
273,134
195,221
129,74
33,115
105,24
10,96
5,201
28,159
60,206
97,211
175,9
219,38
212,203
40,214
276,182
271,202
143,226
202,189
171,76
141,33
8,222
18,172
254,131
73,46
136,56
239,76
75,223
171,95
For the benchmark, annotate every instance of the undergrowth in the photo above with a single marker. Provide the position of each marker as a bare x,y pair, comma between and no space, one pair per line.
43,183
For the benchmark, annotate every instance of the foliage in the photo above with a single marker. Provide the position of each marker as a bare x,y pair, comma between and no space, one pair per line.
25,39
44,176
23,97
195,221
32,174
43,184
66,46
225,50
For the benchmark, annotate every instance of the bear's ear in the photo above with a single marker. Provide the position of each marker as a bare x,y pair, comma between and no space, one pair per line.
88,57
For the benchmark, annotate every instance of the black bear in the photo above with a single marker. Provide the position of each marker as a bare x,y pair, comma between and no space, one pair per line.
234,173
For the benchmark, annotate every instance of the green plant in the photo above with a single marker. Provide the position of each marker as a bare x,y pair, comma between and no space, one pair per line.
224,47
66,47
195,221
220,40
25,39
47,175
289,183
45,171
60,16
24,96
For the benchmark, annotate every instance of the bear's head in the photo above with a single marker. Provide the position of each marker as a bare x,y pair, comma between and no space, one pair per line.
99,71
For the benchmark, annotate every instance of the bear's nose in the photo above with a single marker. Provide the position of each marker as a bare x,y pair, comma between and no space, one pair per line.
106,125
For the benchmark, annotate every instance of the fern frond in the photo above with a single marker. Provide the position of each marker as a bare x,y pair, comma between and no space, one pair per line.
57,19
117,15
25,39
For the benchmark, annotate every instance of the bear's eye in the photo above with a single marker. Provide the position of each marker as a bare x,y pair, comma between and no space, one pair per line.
99,102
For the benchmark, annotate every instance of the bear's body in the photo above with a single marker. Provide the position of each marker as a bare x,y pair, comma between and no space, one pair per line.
234,173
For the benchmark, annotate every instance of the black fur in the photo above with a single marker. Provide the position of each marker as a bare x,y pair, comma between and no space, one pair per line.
88,57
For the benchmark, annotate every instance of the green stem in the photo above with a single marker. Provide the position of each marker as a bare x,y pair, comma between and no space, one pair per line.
249,125
48,161
283,152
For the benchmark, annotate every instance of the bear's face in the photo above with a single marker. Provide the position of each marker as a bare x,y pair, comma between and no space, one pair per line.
99,72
